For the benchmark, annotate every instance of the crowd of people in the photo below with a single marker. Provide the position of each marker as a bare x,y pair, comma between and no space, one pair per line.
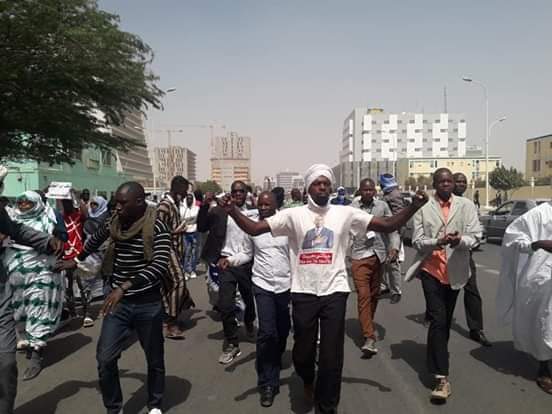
282,264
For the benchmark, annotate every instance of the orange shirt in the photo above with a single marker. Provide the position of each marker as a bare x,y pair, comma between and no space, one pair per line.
436,264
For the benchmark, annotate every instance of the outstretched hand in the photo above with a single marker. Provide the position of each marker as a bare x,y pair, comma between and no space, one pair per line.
419,199
227,203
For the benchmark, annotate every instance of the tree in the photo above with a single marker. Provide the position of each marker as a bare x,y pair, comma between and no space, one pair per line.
208,186
411,183
504,179
68,73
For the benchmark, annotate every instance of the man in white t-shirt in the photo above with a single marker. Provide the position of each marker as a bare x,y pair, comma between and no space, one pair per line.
319,284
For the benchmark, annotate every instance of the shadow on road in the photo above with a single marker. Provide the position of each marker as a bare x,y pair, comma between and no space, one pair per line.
503,358
60,348
299,405
414,354
47,403
177,391
353,331
241,361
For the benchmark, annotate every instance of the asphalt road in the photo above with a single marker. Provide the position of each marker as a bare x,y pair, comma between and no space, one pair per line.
484,380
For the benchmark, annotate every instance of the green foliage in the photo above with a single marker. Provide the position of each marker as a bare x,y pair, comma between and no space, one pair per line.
208,186
505,179
63,63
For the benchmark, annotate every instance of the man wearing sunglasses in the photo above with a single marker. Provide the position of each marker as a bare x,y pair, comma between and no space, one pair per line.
226,239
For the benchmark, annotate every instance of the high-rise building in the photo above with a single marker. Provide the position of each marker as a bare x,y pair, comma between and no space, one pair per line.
538,157
134,163
171,161
373,141
285,179
230,159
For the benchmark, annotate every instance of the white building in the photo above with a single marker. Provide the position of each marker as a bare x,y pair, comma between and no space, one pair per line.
285,180
230,159
373,141
171,161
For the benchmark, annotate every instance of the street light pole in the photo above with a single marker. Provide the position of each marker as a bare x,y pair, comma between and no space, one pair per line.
467,79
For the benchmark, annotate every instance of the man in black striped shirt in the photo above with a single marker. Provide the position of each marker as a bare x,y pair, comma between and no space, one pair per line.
136,260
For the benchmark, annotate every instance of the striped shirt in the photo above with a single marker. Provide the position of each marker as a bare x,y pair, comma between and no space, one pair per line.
130,264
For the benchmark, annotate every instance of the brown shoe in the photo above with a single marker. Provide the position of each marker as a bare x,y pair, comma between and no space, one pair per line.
545,383
442,390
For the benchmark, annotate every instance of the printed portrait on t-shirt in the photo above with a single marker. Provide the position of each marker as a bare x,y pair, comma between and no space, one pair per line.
318,238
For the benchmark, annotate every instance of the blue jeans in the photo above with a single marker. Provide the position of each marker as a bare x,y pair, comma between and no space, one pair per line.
147,320
274,326
190,252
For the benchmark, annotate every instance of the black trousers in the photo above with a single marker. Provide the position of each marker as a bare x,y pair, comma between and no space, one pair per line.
147,320
274,326
473,304
440,303
8,382
239,276
308,312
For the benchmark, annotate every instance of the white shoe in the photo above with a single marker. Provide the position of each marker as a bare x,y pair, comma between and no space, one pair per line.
22,345
155,411
193,275
186,276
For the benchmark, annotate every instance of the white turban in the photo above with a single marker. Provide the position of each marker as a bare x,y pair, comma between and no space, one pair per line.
316,171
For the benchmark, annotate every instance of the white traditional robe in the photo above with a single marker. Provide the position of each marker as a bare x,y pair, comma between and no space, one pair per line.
525,288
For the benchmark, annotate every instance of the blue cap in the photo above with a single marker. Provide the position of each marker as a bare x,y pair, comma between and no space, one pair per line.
387,182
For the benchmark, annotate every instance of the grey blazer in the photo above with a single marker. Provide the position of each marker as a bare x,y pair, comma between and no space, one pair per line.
429,226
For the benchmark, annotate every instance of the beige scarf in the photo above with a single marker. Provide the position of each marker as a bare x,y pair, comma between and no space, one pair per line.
144,225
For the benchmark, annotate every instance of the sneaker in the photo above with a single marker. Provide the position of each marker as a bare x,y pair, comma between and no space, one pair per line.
369,348
88,322
229,354
22,345
186,276
395,298
193,275
442,390
155,411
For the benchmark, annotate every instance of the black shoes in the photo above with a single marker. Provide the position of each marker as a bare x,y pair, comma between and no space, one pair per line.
267,395
479,336
395,298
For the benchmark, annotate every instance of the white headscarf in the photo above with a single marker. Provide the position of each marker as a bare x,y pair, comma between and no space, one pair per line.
101,209
316,171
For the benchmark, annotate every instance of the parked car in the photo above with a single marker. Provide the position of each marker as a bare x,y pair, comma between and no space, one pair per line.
496,221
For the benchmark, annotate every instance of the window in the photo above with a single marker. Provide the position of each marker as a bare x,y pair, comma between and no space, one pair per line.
536,165
417,131
534,147
373,122
504,209
392,131
444,130
425,140
400,122
443,148
411,121
429,130
404,132
455,129
550,144
107,158
437,121
520,208
425,121
386,122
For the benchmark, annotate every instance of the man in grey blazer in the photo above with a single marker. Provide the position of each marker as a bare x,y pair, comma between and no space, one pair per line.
445,230
369,253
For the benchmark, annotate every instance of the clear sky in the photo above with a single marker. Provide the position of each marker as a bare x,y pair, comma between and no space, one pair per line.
287,73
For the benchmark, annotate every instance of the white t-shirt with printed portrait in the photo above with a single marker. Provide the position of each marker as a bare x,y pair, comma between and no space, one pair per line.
318,242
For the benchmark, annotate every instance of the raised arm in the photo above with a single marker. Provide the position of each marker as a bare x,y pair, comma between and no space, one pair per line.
253,228
394,223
